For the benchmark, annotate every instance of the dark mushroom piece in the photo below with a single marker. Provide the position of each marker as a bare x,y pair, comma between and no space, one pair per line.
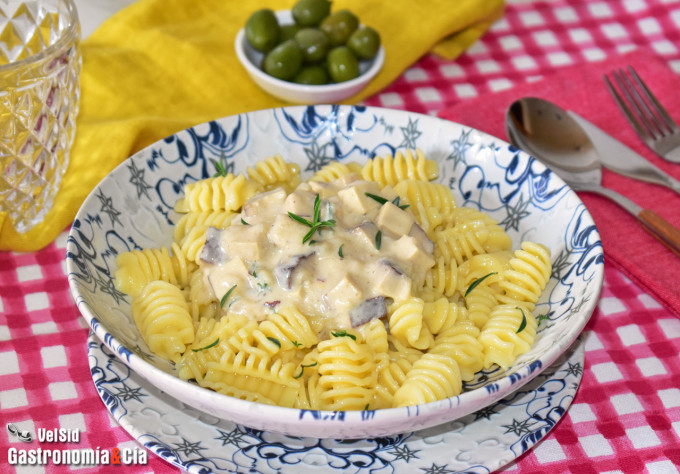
284,271
419,234
367,311
212,249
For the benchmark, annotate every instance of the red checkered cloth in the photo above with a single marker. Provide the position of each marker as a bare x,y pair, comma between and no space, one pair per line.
626,414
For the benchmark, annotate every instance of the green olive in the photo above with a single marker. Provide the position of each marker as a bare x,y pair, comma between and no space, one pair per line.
339,26
284,61
262,30
364,42
310,12
288,32
312,75
342,64
314,44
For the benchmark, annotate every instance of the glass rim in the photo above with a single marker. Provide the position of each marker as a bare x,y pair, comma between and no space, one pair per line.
71,33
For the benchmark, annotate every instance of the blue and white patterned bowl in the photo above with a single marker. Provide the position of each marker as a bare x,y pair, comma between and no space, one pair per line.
132,208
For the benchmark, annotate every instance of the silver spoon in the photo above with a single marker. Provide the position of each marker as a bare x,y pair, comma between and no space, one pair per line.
541,135
577,144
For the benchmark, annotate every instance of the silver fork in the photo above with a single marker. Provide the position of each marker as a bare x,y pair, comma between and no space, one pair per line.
644,112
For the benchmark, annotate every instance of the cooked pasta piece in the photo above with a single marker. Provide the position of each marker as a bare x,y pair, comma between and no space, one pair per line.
430,195
390,170
162,316
273,172
288,328
527,276
335,170
209,345
203,219
347,373
406,324
442,314
227,193
442,279
460,341
433,377
509,332
137,268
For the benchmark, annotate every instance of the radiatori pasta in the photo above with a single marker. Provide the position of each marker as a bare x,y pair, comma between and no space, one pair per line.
365,287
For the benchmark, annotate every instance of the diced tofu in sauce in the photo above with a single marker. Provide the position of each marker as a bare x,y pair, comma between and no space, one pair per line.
343,276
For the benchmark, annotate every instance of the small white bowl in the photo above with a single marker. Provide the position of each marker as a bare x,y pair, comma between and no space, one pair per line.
300,93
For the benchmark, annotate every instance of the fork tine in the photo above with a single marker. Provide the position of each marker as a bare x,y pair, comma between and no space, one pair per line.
630,116
661,111
642,110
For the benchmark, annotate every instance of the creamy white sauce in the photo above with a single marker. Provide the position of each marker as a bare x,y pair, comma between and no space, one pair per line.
371,250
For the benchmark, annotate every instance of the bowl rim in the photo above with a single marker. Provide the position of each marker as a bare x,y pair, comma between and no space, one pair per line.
504,385
376,65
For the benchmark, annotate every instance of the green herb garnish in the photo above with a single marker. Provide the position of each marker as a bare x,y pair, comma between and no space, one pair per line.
378,240
395,201
366,408
221,170
295,343
302,369
343,333
523,324
383,200
275,341
226,296
244,222
208,346
375,197
474,284
541,318
316,223
340,251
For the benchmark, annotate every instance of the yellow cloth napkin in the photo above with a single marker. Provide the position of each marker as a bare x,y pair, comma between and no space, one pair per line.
160,66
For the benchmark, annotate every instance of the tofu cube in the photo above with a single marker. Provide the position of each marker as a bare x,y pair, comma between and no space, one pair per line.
244,240
344,292
392,282
267,203
389,193
394,220
409,250
246,250
354,197
301,202
345,180
365,233
286,233
322,188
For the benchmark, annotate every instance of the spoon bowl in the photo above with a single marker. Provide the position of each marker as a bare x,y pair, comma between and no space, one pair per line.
552,134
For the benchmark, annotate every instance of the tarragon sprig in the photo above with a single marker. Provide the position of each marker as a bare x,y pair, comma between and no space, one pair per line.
316,223
383,200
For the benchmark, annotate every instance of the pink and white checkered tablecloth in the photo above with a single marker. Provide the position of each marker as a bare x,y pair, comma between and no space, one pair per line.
626,414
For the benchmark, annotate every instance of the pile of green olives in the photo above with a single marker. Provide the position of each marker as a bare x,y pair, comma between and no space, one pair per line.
320,47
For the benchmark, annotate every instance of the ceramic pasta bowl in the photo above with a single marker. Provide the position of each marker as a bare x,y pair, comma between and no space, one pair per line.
133,208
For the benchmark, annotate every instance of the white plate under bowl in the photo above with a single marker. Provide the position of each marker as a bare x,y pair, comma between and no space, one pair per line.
133,208
480,442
